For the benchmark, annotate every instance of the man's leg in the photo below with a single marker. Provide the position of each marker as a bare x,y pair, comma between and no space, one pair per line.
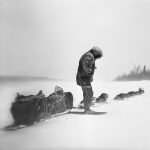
88,94
82,102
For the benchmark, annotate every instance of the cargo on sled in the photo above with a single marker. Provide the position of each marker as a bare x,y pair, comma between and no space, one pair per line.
27,110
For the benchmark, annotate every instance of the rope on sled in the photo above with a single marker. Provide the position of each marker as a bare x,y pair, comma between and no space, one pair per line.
54,108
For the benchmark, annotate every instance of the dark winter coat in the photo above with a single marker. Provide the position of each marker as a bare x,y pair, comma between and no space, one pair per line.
86,69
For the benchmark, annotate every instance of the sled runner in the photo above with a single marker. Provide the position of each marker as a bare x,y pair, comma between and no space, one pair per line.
80,111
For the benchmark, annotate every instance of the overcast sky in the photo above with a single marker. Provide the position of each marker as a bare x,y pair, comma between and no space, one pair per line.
47,37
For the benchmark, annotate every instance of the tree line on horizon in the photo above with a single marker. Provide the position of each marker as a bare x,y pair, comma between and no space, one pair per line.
136,74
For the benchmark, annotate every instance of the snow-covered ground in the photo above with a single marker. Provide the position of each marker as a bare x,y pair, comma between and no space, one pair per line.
122,125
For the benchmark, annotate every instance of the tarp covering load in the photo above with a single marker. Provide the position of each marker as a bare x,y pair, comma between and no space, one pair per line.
27,110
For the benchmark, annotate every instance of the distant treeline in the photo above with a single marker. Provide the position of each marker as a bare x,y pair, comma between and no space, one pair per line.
8,78
137,73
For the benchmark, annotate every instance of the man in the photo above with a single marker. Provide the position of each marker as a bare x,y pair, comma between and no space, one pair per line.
85,74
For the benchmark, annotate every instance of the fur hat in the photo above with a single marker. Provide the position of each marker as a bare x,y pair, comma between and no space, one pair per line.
97,52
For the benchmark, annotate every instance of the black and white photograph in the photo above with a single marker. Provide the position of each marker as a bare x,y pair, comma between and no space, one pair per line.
74,74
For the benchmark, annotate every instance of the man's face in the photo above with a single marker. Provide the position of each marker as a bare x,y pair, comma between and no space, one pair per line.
97,57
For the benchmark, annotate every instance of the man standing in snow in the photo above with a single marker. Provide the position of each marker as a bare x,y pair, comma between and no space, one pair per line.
85,74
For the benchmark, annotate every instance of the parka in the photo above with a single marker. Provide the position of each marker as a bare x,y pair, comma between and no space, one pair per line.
87,67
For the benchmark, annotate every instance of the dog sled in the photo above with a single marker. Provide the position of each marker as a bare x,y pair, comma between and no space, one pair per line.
27,110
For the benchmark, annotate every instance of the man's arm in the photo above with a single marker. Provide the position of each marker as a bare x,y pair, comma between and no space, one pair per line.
87,64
